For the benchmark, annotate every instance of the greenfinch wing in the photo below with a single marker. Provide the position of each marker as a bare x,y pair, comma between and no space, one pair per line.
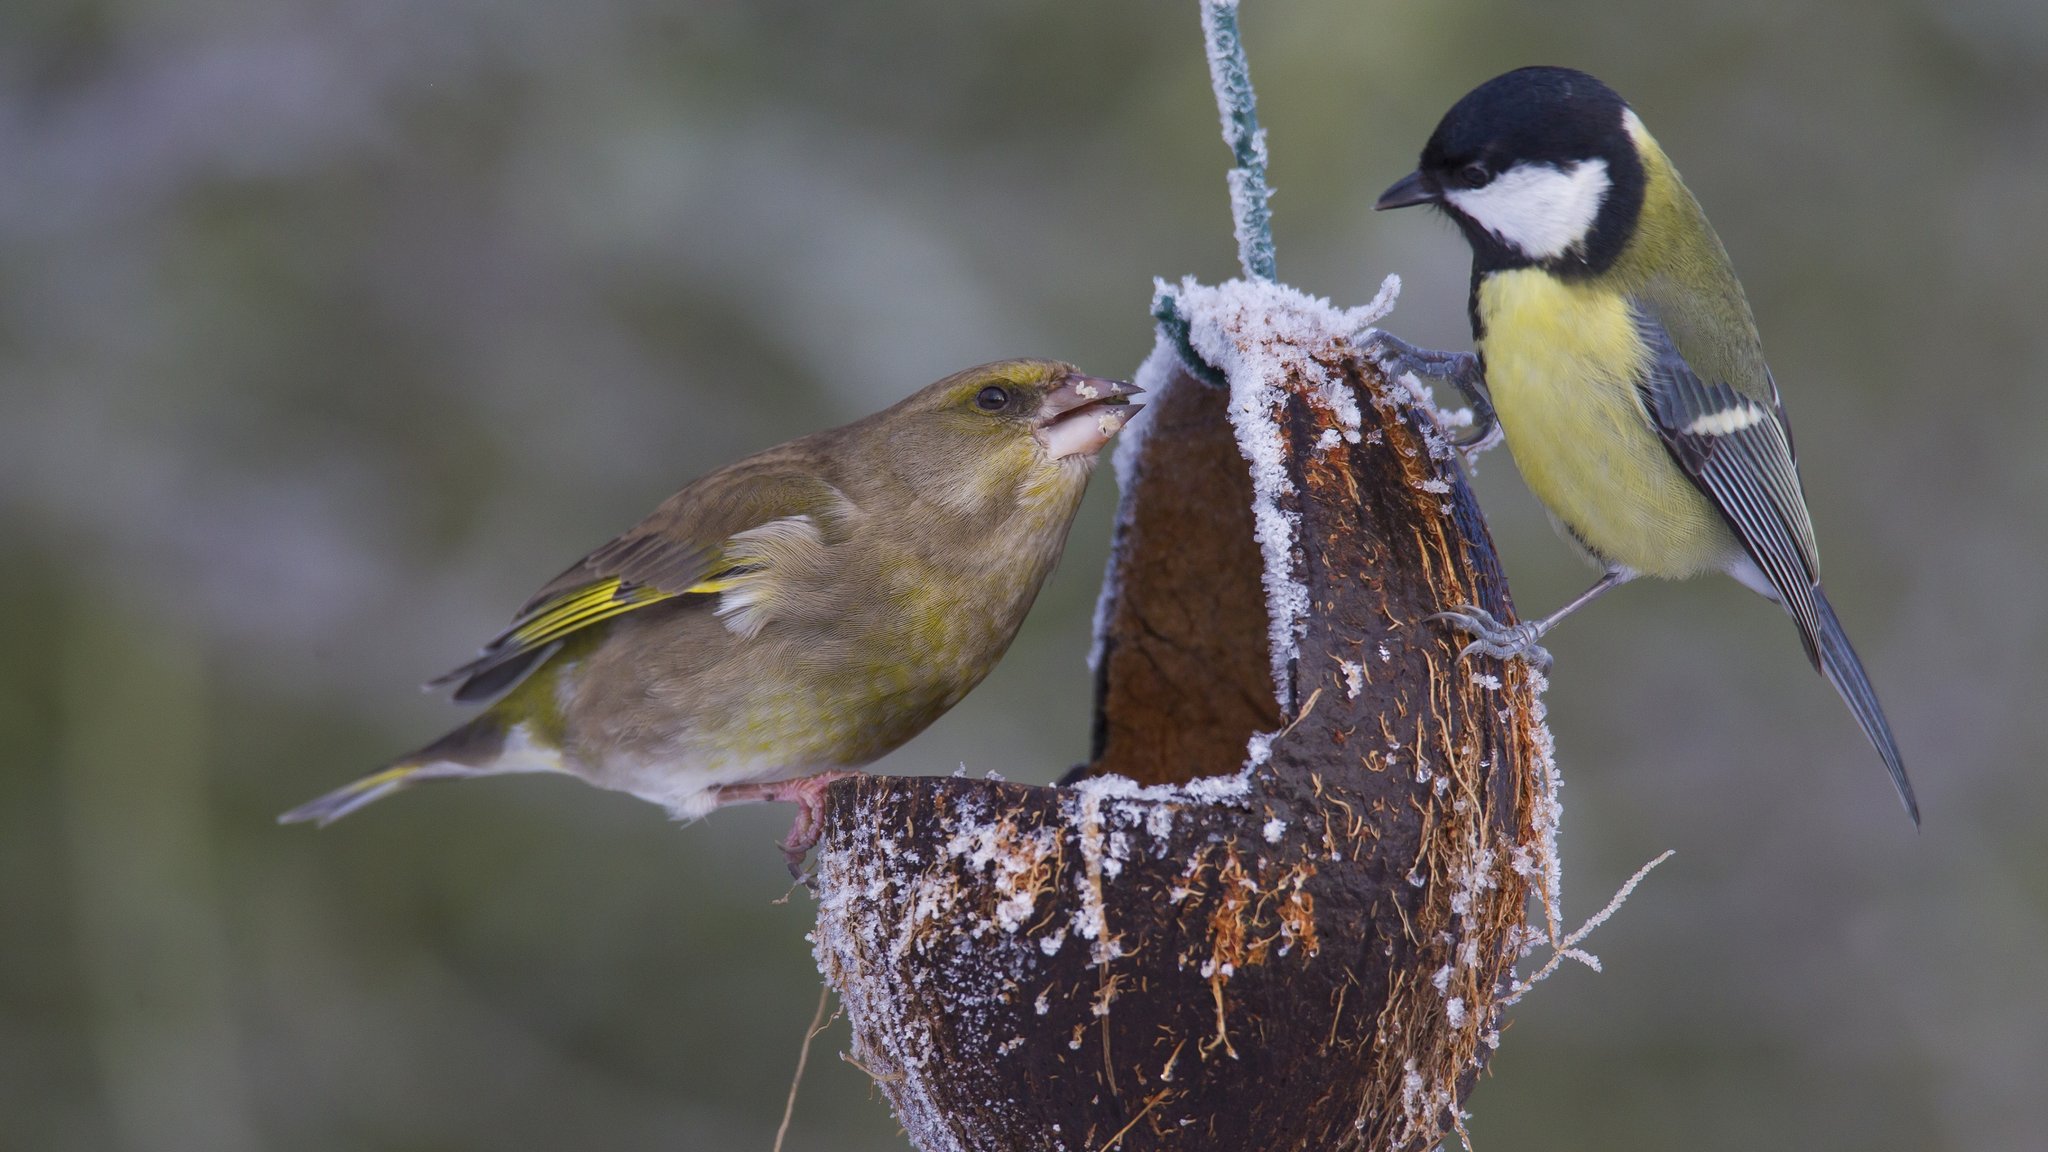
715,536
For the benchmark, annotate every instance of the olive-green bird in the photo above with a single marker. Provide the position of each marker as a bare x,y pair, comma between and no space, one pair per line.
1618,355
802,611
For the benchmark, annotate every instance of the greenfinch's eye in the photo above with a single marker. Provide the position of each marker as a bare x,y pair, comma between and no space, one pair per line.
1474,176
992,399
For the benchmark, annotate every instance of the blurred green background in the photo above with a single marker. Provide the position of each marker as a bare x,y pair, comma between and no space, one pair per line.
329,329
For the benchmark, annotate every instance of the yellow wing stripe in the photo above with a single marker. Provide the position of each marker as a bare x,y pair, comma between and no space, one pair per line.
580,609
605,599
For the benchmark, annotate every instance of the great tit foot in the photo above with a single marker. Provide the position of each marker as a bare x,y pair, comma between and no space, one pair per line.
1493,638
1396,354
1461,369
1483,434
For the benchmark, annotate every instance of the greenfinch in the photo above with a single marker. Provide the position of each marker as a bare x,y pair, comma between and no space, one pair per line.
791,616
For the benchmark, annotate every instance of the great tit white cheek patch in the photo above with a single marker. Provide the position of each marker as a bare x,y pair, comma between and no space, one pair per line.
1540,209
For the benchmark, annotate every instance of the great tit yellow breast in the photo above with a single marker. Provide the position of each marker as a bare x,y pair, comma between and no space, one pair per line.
1562,359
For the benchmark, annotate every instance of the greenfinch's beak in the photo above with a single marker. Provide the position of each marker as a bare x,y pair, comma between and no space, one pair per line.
1080,416
1408,191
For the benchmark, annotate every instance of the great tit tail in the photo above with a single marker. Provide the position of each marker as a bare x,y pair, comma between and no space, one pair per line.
1838,662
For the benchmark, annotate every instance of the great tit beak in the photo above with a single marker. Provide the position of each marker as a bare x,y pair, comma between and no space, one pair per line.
1080,416
1408,191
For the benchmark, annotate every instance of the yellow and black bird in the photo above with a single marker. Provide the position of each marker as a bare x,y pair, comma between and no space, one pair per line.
804,610
1617,353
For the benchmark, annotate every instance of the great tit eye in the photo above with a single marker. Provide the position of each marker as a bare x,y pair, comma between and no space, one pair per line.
1474,176
992,399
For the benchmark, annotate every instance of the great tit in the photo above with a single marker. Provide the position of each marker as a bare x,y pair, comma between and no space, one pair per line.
1619,357
804,610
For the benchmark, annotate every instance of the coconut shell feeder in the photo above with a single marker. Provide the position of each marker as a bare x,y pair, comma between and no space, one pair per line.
1281,907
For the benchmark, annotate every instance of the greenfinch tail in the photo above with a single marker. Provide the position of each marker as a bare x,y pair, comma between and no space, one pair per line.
478,748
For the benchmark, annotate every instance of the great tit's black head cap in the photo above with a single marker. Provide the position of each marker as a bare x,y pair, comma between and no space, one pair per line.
1531,115
1557,124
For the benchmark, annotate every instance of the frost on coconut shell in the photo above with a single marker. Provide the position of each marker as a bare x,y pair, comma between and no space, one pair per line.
1281,906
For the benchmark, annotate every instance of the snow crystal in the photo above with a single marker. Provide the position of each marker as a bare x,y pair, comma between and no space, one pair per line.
1549,808
1013,857
1155,376
1159,822
877,913
1354,678
1105,809
1203,790
1259,749
1381,305
1263,335
849,941
1091,920
1248,195
1229,76
1273,830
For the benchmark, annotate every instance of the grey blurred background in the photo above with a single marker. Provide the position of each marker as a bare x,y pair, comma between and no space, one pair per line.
330,328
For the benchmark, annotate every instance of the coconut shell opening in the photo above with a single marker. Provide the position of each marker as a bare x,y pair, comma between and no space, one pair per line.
1280,907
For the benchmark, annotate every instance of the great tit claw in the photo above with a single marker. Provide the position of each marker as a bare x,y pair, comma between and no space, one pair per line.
1492,638
1461,369
1484,434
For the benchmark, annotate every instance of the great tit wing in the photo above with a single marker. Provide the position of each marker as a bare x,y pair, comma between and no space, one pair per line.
717,536
1738,450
